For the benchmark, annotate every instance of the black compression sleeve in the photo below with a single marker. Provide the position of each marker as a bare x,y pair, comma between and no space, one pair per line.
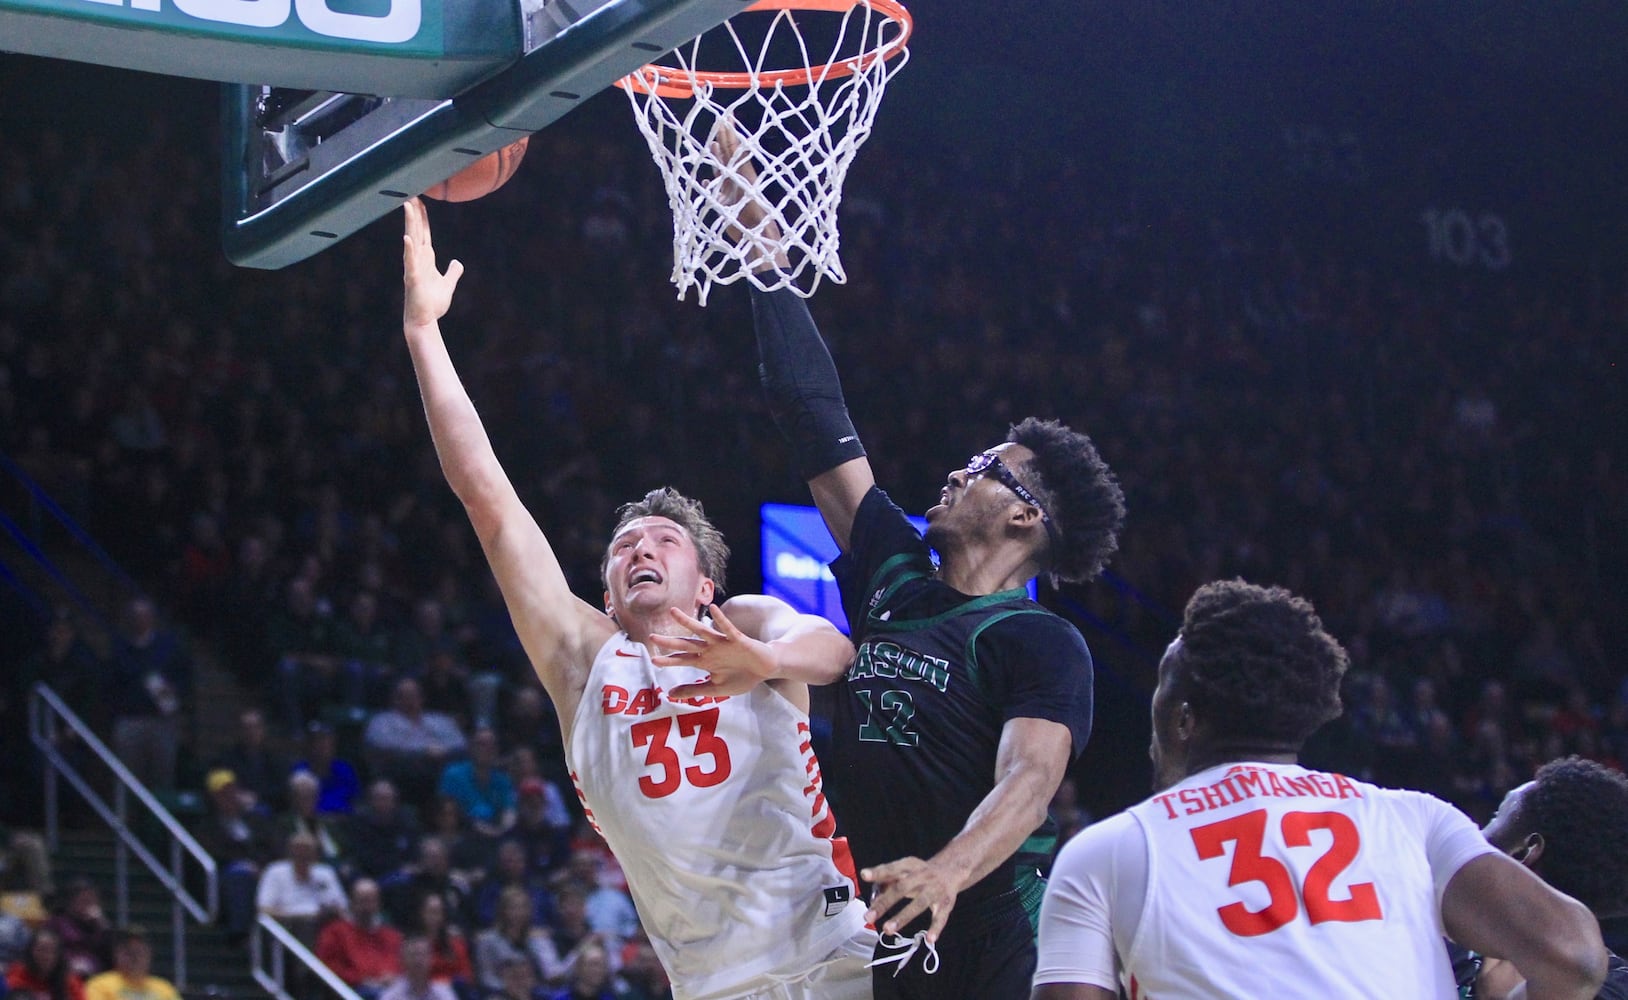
800,380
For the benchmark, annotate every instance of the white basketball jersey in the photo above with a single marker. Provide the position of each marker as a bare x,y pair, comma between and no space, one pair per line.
1329,886
715,810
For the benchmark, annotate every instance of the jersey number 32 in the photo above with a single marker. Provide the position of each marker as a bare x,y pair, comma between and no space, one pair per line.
1248,831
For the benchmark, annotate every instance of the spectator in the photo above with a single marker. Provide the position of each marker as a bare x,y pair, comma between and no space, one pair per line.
310,674
410,745
515,936
512,872
302,817
206,564
469,854
364,642
242,844
481,787
432,875
451,954
131,977
569,930
42,973
68,665
415,982
249,595
610,911
300,891
1071,818
642,977
83,929
587,839
360,947
25,864
518,981
151,680
261,772
383,835
590,977
338,780
423,638
446,683
542,825
529,721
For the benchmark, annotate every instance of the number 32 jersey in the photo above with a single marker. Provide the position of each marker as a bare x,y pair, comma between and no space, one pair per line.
715,810
1329,886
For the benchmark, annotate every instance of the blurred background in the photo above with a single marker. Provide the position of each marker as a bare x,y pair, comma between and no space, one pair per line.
1339,289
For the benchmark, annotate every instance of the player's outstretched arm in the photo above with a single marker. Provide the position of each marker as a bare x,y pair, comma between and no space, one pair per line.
799,378
1494,905
756,224
1029,765
758,639
805,396
555,627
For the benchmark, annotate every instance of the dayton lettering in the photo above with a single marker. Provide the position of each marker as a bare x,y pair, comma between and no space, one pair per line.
615,700
399,24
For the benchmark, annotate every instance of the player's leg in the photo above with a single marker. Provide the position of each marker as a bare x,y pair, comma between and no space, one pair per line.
992,958
844,974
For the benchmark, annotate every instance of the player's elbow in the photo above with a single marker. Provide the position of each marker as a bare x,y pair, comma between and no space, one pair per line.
1573,958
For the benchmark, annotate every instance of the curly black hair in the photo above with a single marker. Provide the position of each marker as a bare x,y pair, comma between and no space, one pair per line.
1581,809
1080,494
1259,664
711,550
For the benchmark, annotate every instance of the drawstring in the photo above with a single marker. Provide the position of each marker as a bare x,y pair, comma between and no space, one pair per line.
907,948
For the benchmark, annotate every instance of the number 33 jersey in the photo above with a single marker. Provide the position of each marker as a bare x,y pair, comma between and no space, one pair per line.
715,810
1332,887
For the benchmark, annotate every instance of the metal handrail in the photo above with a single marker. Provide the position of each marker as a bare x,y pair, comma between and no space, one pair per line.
46,710
284,943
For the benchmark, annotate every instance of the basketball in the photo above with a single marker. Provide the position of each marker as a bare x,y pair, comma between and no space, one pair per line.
482,177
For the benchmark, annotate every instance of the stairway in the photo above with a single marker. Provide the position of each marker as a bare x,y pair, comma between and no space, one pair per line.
214,967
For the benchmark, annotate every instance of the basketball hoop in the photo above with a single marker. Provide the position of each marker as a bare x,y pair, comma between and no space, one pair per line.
798,129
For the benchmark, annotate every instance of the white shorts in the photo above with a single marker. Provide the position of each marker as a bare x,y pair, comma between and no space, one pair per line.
844,974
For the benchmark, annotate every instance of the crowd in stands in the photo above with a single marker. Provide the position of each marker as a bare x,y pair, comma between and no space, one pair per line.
1430,459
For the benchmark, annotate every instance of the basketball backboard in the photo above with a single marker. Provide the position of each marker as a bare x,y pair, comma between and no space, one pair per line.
305,168
336,111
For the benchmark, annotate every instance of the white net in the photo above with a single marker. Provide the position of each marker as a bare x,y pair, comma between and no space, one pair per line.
765,208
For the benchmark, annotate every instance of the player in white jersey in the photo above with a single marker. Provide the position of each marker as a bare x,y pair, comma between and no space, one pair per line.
1248,875
713,806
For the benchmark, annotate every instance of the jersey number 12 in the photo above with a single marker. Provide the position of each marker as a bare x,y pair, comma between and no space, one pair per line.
1248,831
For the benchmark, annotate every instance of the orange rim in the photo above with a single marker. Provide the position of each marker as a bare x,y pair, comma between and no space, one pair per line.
668,81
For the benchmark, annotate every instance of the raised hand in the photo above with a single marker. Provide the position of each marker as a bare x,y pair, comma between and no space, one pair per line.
734,182
428,291
735,662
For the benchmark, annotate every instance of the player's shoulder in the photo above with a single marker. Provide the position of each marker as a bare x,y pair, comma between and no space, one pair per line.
1029,630
879,522
1422,803
1097,844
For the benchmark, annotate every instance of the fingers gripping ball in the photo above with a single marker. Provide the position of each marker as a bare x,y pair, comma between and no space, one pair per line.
482,177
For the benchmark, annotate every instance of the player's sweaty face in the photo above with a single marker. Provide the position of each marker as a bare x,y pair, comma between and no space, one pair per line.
653,563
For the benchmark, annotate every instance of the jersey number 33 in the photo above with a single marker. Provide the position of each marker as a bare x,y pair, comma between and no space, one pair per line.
706,748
